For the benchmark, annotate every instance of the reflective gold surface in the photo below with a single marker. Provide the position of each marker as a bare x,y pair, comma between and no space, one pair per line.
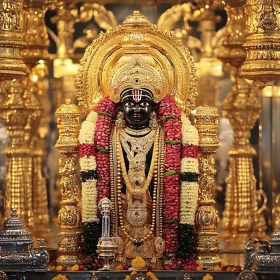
11,40
69,217
262,40
206,218
175,65
15,114
242,215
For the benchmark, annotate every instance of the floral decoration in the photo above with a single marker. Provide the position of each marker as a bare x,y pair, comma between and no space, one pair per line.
207,277
133,273
189,189
180,174
94,163
169,115
60,277
138,263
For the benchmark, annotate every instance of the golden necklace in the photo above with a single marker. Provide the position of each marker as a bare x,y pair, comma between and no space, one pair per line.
121,169
137,132
136,151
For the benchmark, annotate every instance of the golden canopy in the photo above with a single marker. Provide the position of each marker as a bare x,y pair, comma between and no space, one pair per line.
136,54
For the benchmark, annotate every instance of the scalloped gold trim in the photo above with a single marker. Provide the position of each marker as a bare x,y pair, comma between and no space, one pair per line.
166,65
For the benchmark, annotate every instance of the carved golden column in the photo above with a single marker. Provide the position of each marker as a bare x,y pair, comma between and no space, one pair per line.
18,180
11,40
36,54
69,217
241,215
262,40
206,218
262,44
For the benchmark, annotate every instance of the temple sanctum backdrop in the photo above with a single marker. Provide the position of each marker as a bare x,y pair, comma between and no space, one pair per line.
235,45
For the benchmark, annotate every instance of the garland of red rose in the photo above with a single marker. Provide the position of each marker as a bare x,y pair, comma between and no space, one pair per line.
106,110
170,116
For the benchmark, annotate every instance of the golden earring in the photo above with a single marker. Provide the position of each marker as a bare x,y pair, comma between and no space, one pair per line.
120,122
153,123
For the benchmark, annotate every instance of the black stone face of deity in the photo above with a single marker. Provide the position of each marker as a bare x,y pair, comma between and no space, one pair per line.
137,106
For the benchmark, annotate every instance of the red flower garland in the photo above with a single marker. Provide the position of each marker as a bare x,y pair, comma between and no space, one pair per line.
170,115
106,111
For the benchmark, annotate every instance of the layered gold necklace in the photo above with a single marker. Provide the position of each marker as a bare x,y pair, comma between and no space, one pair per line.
136,149
135,179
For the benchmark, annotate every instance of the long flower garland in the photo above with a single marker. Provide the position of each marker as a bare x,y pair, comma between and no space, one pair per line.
170,116
180,181
94,163
189,189
180,174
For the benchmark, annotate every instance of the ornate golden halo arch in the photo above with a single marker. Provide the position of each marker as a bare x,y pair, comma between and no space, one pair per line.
136,54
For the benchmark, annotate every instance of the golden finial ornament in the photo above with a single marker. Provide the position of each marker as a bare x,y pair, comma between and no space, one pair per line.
171,71
262,40
69,217
206,218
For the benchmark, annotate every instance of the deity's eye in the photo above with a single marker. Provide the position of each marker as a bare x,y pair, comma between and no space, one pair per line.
144,104
129,104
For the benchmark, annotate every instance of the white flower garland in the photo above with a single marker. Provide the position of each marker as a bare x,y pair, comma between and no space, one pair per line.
189,190
89,190
189,131
189,197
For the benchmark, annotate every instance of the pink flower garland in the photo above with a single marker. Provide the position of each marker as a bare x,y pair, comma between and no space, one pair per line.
170,114
106,111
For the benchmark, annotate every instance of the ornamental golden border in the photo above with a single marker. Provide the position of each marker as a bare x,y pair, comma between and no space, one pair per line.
137,36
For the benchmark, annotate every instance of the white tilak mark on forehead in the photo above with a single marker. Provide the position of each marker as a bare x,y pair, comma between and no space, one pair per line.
137,95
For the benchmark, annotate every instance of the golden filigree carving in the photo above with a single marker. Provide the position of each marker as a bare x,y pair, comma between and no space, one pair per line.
11,40
241,215
69,218
175,65
18,181
206,218
262,40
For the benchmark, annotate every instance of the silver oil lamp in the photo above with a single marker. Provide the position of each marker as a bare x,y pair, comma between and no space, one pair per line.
16,247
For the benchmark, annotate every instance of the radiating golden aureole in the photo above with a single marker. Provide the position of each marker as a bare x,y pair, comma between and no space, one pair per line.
206,218
69,217
262,40
142,46
11,40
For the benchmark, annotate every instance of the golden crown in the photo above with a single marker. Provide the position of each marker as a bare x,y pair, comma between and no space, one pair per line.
136,55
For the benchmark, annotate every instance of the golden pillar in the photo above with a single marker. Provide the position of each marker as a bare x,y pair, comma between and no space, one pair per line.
18,180
206,218
69,217
36,54
241,215
11,40
262,40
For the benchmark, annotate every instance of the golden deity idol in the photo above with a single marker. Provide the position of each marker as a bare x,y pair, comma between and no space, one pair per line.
137,146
